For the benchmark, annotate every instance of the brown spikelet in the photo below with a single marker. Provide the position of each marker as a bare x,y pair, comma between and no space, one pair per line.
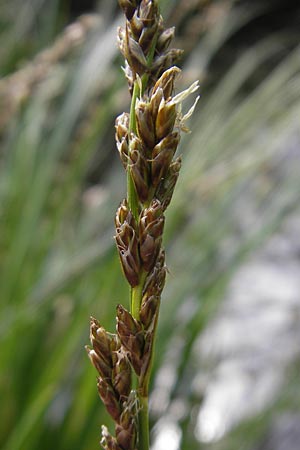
166,186
151,227
107,441
127,243
109,398
121,375
131,336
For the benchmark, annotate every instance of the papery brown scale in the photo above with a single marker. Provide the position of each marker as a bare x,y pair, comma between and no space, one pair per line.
149,341
161,259
129,271
166,82
129,256
149,249
162,156
100,365
130,329
108,442
155,228
155,281
121,40
136,26
136,361
125,236
148,13
124,316
139,170
94,325
123,150
127,243
155,100
165,119
151,228
126,429
146,38
121,375
124,214
134,54
152,220
167,185
122,125
133,343
149,309
109,398
164,39
100,342
131,336
126,436
129,7
145,124
153,212
160,165
129,76
149,252
115,346
121,135
165,60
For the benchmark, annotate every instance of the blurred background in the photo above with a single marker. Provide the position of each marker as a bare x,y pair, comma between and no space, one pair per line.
226,373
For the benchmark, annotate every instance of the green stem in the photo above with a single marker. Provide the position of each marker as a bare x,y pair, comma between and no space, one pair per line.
144,387
136,296
137,291
131,192
143,424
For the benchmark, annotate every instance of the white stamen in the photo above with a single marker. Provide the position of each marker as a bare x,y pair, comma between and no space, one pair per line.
191,110
184,94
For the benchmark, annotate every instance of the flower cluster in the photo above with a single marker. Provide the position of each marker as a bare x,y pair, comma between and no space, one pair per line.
147,139
114,386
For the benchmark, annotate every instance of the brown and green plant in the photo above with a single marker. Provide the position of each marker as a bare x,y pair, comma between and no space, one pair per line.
147,139
60,183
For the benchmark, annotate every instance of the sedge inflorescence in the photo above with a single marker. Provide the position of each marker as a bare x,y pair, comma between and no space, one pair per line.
147,139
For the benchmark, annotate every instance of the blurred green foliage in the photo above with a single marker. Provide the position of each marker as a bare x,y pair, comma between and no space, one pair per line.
61,182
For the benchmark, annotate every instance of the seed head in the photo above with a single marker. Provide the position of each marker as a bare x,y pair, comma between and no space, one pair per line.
127,243
126,437
109,398
122,126
131,336
134,54
162,156
139,169
100,341
129,7
126,429
166,82
145,124
155,281
164,40
151,227
149,310
165,119
166,187
100,365
107,441
121,376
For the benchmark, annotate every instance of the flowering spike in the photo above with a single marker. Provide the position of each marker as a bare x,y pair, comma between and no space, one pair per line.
147,139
